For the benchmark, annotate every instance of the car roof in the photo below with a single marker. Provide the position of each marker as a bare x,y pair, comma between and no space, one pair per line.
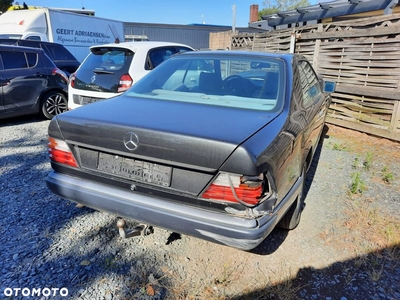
241,53
140,45
27,41
20,48
288,57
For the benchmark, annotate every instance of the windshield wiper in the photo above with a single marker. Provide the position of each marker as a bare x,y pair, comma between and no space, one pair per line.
102,72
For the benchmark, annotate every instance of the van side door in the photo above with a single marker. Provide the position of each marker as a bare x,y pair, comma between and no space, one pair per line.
23,79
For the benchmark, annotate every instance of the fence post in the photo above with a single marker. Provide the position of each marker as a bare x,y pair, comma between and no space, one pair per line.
317,49
292,42
395,121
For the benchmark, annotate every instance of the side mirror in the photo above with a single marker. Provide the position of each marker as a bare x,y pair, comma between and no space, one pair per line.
329,86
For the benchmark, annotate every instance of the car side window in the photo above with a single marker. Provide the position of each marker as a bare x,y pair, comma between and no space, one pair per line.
309,83
156,56
182,49
32,59
14,60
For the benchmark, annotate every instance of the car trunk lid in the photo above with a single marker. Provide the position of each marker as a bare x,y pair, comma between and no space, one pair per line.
171,133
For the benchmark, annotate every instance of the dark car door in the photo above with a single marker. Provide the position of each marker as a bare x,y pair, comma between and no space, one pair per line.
1,86
21,83
314,102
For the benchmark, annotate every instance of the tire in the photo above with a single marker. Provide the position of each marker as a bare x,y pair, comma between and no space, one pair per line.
53,103
292,217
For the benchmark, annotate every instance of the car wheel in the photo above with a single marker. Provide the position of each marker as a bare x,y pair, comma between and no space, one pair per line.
53,103
292,217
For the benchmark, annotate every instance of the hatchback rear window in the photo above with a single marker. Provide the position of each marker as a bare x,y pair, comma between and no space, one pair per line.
104,69
109,59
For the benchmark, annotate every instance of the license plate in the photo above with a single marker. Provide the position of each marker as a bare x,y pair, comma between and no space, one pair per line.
134,169
88,100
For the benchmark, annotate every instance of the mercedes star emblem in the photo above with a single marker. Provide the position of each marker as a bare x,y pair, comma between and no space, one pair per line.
131,141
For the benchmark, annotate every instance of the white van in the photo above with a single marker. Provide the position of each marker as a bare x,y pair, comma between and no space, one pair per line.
77,32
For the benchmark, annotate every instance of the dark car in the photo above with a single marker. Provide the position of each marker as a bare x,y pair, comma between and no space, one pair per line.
198,150
61,57
30,83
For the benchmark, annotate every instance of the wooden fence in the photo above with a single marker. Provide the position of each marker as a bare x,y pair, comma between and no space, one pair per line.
362,56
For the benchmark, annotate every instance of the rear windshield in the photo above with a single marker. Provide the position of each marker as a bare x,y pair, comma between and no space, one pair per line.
103,68
232,80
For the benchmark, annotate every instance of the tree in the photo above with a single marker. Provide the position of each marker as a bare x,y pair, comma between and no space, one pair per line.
5,4
273,6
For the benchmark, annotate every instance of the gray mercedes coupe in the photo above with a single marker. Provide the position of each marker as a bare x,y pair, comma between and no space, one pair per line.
212,144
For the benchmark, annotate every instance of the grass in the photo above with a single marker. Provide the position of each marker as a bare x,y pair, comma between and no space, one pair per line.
373,227
357,185
387,176
339,147
228,283
368,161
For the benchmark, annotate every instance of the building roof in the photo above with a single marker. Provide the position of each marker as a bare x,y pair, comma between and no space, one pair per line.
323,10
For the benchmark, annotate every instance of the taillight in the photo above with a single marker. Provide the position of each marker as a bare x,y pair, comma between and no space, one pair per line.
60,152
60,73
125,82
72,80
236,188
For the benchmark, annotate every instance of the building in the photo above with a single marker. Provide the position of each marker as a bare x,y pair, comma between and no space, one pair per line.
194,35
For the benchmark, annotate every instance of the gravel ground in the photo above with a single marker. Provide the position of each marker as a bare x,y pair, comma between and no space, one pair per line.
346,246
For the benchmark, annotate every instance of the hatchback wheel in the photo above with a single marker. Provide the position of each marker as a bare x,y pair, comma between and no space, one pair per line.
53,103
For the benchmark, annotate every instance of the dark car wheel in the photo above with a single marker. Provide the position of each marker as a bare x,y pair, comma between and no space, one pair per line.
292,217
53,103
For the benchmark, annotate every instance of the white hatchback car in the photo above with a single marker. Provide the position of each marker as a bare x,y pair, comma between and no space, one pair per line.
111,69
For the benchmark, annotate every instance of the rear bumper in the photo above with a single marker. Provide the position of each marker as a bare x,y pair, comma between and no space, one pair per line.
225,229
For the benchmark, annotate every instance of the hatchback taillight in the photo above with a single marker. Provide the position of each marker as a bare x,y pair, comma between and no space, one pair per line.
236,188
58,72
125,82
60,152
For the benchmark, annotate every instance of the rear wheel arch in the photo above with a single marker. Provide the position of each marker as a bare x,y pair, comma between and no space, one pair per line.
292,216
53,102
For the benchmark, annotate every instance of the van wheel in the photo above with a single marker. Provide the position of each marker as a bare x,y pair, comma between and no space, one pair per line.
292,217
53,103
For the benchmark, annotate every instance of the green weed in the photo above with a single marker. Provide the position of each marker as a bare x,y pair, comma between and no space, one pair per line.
339,147
357,185
387,176
368,161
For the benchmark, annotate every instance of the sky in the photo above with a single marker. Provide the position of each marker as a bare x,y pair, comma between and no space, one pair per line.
183,12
